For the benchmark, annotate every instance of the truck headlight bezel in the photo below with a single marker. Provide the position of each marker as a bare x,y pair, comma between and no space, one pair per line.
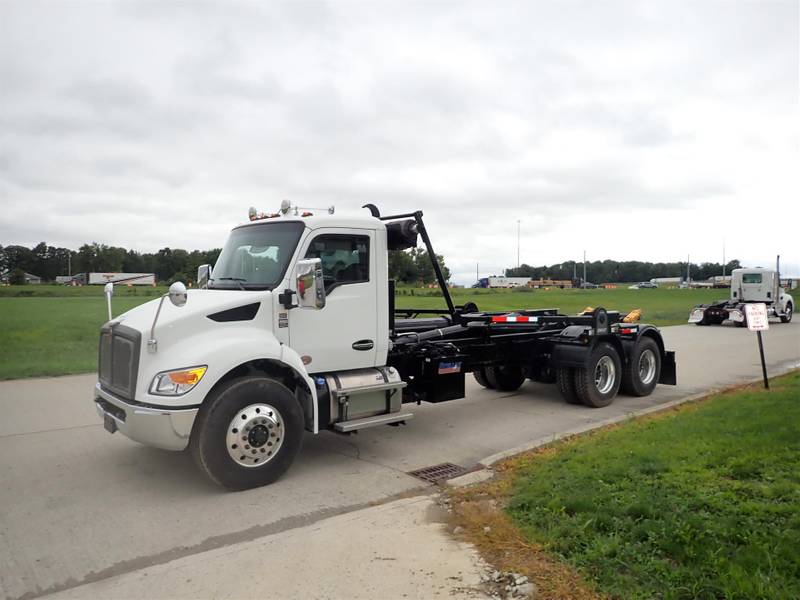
177,382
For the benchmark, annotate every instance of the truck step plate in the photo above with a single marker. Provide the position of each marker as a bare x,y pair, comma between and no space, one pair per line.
438,473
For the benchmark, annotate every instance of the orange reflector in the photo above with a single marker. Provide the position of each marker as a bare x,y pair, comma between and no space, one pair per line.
188,377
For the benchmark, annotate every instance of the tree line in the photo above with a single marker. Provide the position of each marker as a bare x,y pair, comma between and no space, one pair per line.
612,271
47,262
409,267
169,264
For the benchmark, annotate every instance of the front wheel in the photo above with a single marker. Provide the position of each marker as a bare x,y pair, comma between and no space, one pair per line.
643,369
786,317
247,433
598,382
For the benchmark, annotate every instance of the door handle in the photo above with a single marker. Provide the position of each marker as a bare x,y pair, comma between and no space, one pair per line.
363,345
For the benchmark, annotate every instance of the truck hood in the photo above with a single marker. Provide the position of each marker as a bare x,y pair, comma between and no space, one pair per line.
199,305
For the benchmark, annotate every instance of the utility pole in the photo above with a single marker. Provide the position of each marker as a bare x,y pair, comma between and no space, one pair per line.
688,271
723,260
574,270
69,263
518,244
584,269
477,273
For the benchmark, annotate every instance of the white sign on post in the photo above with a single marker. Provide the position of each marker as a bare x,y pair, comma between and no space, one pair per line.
756,314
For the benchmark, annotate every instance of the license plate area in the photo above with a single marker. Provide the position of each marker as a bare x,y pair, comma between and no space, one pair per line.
109,423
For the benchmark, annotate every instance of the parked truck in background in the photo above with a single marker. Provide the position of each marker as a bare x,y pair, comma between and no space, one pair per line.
747,286
296,330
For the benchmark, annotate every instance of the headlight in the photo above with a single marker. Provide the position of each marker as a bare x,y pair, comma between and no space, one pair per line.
178,382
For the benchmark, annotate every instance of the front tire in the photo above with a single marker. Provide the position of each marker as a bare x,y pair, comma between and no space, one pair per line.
598,382
643,369
786,317
247,433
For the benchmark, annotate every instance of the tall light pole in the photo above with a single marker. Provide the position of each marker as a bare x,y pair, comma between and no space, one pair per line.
518,244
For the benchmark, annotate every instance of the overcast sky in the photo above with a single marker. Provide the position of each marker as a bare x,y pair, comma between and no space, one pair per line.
634,130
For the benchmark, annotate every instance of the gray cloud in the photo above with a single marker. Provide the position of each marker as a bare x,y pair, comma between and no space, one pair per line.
117,117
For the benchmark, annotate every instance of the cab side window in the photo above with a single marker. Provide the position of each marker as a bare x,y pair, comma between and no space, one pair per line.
345,258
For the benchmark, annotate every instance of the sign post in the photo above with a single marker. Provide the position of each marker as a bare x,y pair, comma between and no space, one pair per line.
757,321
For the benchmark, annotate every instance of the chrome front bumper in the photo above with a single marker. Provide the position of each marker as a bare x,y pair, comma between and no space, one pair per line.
160,427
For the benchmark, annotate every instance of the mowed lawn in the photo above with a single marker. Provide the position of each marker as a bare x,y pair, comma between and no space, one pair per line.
53,336
53,330
703,502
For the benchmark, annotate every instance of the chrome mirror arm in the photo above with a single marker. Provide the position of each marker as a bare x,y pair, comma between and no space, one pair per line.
152,344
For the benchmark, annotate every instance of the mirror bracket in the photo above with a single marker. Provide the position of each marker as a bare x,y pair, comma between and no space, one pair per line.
285,298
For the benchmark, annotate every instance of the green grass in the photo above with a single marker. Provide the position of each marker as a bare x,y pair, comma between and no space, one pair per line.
52,330
53,336
701,503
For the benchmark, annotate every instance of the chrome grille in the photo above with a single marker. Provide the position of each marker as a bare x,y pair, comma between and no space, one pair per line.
118,359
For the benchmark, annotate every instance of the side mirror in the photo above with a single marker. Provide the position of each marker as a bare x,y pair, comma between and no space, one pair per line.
203,275
177,293
310,285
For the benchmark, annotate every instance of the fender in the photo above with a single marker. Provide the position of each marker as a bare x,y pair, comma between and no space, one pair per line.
223,354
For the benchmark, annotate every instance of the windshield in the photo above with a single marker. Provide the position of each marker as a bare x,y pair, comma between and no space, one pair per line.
255,256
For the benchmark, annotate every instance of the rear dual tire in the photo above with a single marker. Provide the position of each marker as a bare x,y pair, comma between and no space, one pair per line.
503,379
643,369
597,384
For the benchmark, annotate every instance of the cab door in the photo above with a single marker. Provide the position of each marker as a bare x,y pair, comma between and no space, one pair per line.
342,335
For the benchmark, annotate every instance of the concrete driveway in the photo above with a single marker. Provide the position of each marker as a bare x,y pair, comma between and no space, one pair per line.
79,505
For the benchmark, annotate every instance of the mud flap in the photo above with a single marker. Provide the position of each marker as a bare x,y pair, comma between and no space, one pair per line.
669,372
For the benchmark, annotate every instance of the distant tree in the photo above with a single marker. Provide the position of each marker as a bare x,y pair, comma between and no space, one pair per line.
17,277
402,267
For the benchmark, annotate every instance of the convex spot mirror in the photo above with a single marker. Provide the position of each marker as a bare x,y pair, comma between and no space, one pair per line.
310,284
177,294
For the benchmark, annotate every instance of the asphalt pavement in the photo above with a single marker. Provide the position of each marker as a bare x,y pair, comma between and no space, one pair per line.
78,505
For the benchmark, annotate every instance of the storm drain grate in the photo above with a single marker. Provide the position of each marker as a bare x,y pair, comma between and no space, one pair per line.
438,473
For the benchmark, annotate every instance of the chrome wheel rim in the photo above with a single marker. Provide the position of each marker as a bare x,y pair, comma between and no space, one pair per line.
605,374
647,366
255,435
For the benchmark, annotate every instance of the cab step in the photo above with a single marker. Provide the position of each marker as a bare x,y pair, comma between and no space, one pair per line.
367,422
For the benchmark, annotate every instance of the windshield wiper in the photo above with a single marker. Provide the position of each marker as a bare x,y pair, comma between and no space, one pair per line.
238,281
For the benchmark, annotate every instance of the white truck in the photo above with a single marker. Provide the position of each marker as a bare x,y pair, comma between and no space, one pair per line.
747,286
296,330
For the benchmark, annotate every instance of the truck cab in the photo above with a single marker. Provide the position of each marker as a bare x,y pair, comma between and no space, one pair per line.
748,285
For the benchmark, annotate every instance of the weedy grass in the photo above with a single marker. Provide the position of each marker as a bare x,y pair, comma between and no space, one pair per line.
700,502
